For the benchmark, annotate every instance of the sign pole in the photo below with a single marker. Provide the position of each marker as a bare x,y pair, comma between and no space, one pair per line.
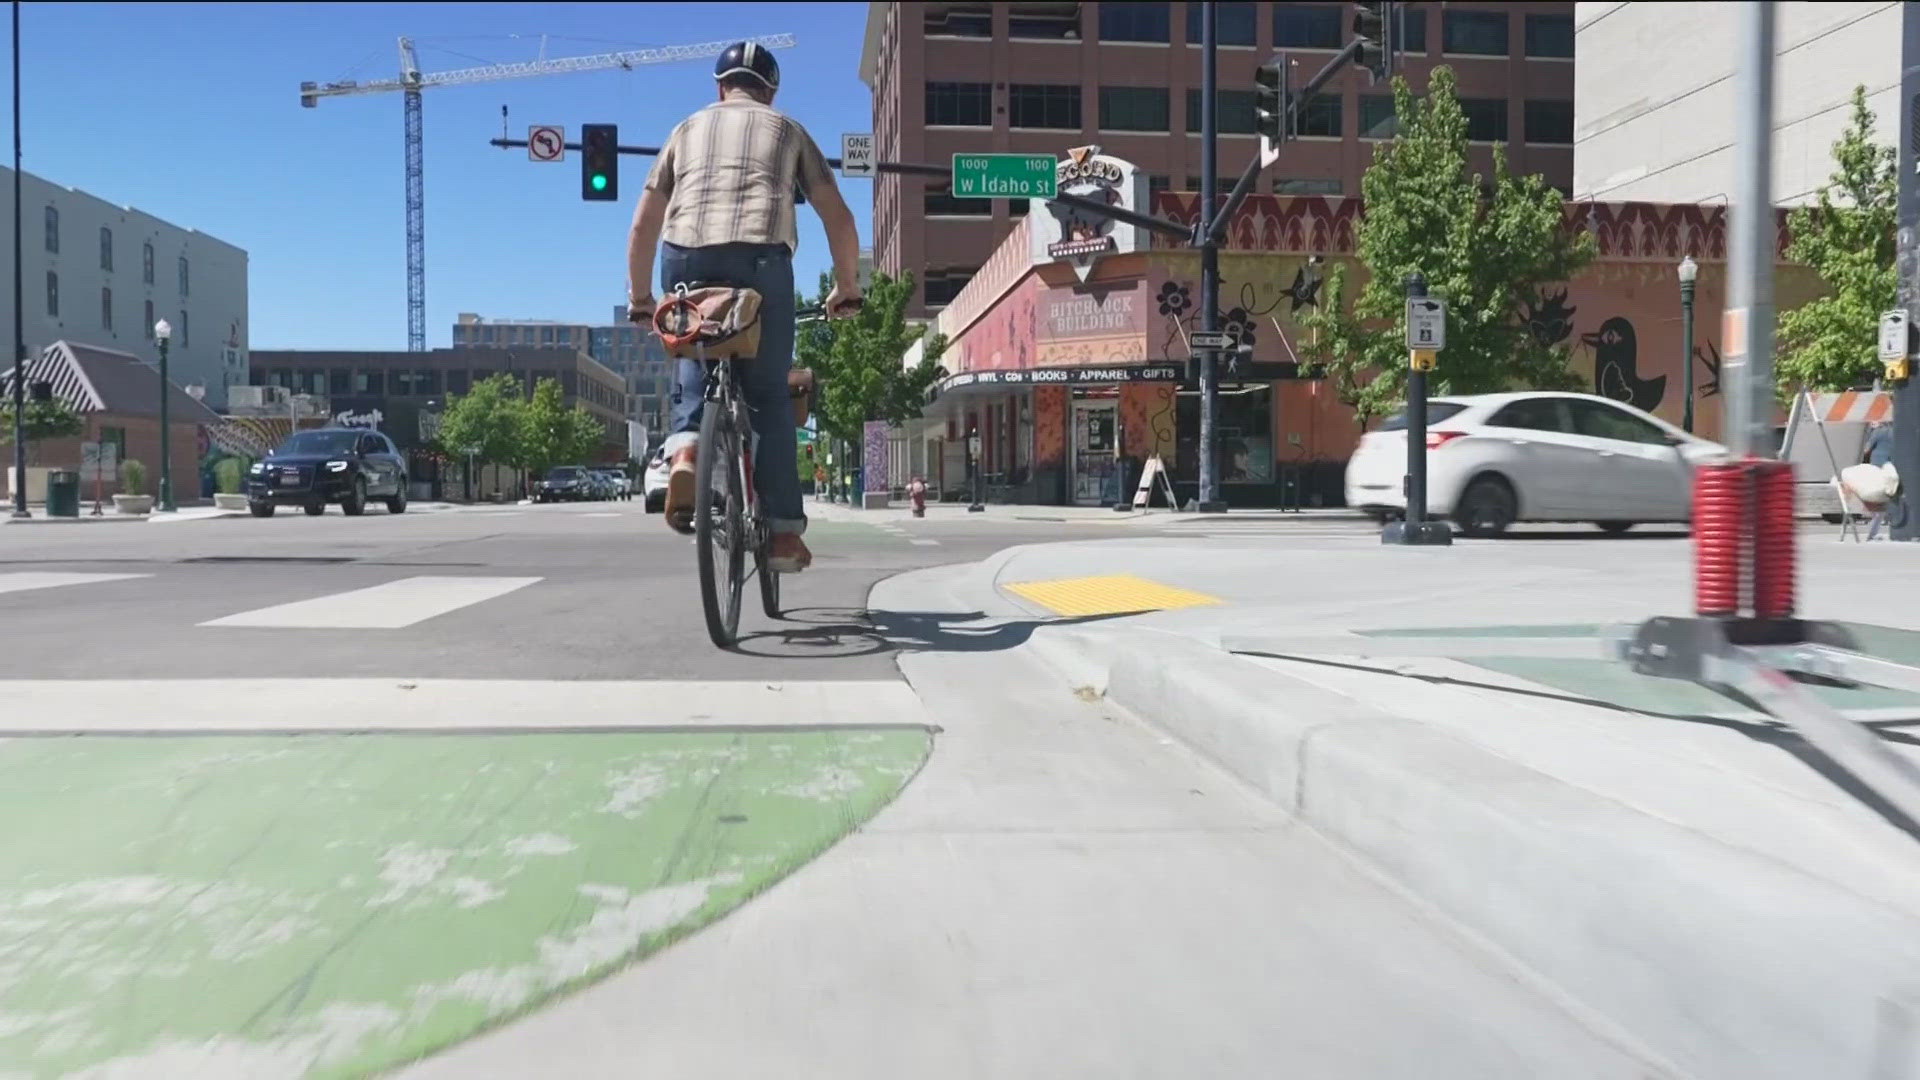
1209,501
1905,514
1424,340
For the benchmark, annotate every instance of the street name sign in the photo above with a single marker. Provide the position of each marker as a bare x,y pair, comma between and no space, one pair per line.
1004,176
1426,323
856,154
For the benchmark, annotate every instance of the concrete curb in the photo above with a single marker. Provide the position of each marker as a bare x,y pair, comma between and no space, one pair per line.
1717,958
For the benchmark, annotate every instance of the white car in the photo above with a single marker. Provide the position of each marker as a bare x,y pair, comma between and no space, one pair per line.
654,489
1497,459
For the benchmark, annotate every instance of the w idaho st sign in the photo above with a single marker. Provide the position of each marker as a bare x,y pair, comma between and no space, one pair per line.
1004,176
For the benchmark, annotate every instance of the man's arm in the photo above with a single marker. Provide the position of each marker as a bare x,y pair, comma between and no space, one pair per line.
648,218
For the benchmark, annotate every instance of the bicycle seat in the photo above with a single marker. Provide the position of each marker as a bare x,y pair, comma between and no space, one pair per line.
717,321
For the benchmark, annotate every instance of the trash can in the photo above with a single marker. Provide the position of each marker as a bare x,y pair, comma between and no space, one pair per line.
63,493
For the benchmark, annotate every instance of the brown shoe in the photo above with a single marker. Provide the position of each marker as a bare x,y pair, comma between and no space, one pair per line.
678,509
789,554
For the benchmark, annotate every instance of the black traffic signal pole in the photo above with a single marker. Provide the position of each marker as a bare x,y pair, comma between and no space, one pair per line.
1906,393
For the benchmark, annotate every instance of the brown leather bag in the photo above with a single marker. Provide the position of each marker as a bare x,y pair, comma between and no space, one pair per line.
729,323
800,389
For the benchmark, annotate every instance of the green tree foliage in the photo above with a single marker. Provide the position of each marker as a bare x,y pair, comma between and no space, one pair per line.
43,420
1487,249
856,361
552,434
487,418
1847,237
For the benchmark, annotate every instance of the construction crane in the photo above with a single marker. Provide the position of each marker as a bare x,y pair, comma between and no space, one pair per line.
411,82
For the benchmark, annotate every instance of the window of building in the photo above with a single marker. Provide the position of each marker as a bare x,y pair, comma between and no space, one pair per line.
1309,186
1550,122
486,334
959,104
106,308
106,249
146,327
53,295
1156,185
181,330
1410,28
457,381
959,20
1486,119
1321,117
1234,112
1222,185
183,275
1041,105
1139,21
1550,37
1473,33
403,383
546,335
1133,108
943,285
146,265
339,381
374,382
1044,22
1234,25
1377,120
426,381
938,201
1306,26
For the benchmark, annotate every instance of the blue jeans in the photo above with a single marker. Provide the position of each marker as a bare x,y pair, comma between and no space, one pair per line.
767,268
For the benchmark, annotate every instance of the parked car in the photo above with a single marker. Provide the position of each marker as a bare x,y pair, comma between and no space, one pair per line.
1497,459
618,486
565,483
653,490
312,468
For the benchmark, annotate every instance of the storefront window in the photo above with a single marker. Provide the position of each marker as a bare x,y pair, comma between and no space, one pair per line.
1245,430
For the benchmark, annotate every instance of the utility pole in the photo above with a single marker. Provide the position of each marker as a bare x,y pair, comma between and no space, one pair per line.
1209,496
1906,393
19,326
1748,333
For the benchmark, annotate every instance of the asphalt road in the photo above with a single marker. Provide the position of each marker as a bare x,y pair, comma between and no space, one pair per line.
584,591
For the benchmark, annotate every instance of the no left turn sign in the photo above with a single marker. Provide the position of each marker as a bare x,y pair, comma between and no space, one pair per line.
546,143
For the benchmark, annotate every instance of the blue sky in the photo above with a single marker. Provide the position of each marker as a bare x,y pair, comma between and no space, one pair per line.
191,112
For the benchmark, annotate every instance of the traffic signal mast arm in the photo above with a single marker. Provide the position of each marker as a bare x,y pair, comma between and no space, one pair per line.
1296,101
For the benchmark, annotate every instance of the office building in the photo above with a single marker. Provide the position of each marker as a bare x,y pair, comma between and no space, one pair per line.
632,351
1047,77
104,274
1666,134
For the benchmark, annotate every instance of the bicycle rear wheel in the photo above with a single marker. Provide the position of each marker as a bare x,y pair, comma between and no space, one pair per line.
720,523
769,581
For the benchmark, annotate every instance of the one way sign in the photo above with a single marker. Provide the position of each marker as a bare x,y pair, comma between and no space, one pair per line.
1426,323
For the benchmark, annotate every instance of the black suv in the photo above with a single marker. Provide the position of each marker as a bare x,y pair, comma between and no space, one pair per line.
344,465
566,483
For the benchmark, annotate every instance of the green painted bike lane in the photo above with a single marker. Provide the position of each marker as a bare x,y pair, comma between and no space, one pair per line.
336,905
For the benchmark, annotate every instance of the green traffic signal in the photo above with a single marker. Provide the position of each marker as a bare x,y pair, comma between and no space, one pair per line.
599,181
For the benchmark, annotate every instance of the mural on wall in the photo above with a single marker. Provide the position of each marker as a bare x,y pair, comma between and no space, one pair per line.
1259,298
873,461
1147,421
1616,366
1049,427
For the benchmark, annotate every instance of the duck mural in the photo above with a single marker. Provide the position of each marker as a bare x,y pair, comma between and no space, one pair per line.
1616,372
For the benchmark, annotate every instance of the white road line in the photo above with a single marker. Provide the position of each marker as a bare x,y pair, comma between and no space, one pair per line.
21,582
391,606
181,705
925,543
601,513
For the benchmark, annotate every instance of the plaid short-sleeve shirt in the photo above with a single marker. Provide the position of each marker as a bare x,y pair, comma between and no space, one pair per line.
729,172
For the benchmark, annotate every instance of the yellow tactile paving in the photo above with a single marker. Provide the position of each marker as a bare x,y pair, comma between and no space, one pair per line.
1115,594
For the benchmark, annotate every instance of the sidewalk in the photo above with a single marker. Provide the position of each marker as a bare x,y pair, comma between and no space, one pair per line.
996,514
1689,870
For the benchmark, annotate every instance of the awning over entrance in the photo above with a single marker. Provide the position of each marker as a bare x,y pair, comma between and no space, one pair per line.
1057,376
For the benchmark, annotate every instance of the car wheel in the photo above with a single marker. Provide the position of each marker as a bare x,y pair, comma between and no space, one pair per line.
355,503
260,509
1614,528
1487,508
398,503
315,509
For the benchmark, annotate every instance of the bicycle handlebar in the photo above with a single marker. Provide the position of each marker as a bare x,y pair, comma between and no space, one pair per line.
819,311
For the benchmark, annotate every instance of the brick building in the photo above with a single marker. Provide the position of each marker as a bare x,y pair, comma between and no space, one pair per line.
632,351
1043,77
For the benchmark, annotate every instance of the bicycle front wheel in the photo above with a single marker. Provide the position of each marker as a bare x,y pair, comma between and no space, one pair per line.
720,523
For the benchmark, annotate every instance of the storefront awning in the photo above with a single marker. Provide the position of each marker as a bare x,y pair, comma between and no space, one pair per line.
1057,376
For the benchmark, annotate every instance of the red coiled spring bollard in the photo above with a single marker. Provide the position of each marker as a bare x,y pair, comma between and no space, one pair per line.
1719,530
1774,564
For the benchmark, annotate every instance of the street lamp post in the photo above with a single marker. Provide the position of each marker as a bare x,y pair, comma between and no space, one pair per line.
19,327
1689,271
973,470
163,333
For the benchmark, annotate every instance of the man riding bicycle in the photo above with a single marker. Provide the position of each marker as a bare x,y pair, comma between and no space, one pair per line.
720,204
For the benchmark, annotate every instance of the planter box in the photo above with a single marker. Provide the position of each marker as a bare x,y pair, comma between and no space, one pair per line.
223,501
133,504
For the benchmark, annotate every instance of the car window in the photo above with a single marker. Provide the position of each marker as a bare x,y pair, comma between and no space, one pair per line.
1436,412
1601,421
317,442
1534,414
370,444
564,472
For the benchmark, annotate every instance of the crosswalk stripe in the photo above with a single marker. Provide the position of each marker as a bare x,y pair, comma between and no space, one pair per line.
925,543
391,606
21,582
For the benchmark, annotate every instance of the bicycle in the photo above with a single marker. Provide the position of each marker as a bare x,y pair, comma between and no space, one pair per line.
724,458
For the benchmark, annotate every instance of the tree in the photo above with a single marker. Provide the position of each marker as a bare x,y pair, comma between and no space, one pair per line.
552,434
1847,237
856,361
486,420
1487,249
52,419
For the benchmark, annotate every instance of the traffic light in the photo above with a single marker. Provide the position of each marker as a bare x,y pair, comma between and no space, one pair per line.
599,162
1270,99
1373,28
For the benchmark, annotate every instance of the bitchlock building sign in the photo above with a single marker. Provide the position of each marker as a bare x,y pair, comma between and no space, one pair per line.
1080,237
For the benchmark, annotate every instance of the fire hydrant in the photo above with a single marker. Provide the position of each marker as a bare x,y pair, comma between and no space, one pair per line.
917,491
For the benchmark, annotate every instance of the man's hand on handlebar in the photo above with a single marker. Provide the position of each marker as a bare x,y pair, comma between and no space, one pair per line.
843,302
640,309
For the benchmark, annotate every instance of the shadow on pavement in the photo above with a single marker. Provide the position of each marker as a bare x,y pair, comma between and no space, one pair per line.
839,633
